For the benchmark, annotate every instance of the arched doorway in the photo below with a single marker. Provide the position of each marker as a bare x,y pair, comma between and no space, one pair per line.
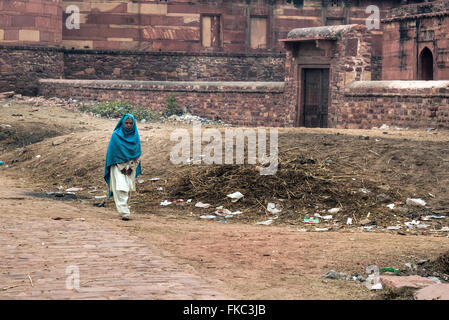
425,65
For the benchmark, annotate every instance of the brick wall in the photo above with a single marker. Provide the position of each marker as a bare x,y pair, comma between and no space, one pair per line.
174,66
21,67
241,103
414,104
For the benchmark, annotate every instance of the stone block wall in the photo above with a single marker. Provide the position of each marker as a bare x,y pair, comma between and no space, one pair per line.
173,66
413,104
21,67
240,103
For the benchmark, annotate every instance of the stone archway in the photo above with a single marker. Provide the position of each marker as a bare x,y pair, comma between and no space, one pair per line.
425,65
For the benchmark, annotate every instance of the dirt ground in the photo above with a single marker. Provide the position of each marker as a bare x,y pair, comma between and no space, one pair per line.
50,149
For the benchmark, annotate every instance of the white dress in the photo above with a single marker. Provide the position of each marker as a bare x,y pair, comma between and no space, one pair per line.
121,185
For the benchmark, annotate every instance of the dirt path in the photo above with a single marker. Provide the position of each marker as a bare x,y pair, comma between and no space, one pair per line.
39,254
169,253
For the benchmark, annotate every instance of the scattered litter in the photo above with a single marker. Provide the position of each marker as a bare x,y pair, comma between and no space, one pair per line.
302,230
82,219
334,210
202,205
155,179
236,196
363,190
328,217
368,228
189,200
431,195
266,223
165,203
349,221
321,229
411,224
221,221
376,286
38,156
391,206
160,189
141,181
332,274
434,279
271,207
208,217
444,229
389,269
100,197
437,217
394,228
311,220
1,162
74,189
415,202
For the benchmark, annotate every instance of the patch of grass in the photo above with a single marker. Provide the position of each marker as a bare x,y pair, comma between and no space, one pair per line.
171,106
116,109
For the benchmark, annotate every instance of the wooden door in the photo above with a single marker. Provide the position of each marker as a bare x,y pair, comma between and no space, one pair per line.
315,101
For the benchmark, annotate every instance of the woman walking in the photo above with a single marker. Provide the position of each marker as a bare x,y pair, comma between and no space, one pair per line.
122,163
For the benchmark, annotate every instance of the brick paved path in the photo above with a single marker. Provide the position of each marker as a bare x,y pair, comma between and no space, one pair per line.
36,251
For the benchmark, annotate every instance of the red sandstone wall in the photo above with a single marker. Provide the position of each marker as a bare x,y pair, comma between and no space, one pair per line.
414,107
174,66
348,59
408,30
154,25
248,104
30,22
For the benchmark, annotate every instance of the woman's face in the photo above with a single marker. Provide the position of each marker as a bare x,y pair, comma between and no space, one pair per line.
128,123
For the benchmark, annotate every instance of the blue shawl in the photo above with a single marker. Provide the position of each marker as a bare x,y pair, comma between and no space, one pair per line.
123,146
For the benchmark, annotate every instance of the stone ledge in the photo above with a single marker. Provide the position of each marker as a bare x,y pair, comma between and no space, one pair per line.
176,53
182,86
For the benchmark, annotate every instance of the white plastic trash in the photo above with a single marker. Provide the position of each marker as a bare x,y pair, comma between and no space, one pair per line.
349,221
208,217
100,197
74,189
271,207
165,203
391,206
266,223
236,196
415,202
394,228
334,210
202,205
